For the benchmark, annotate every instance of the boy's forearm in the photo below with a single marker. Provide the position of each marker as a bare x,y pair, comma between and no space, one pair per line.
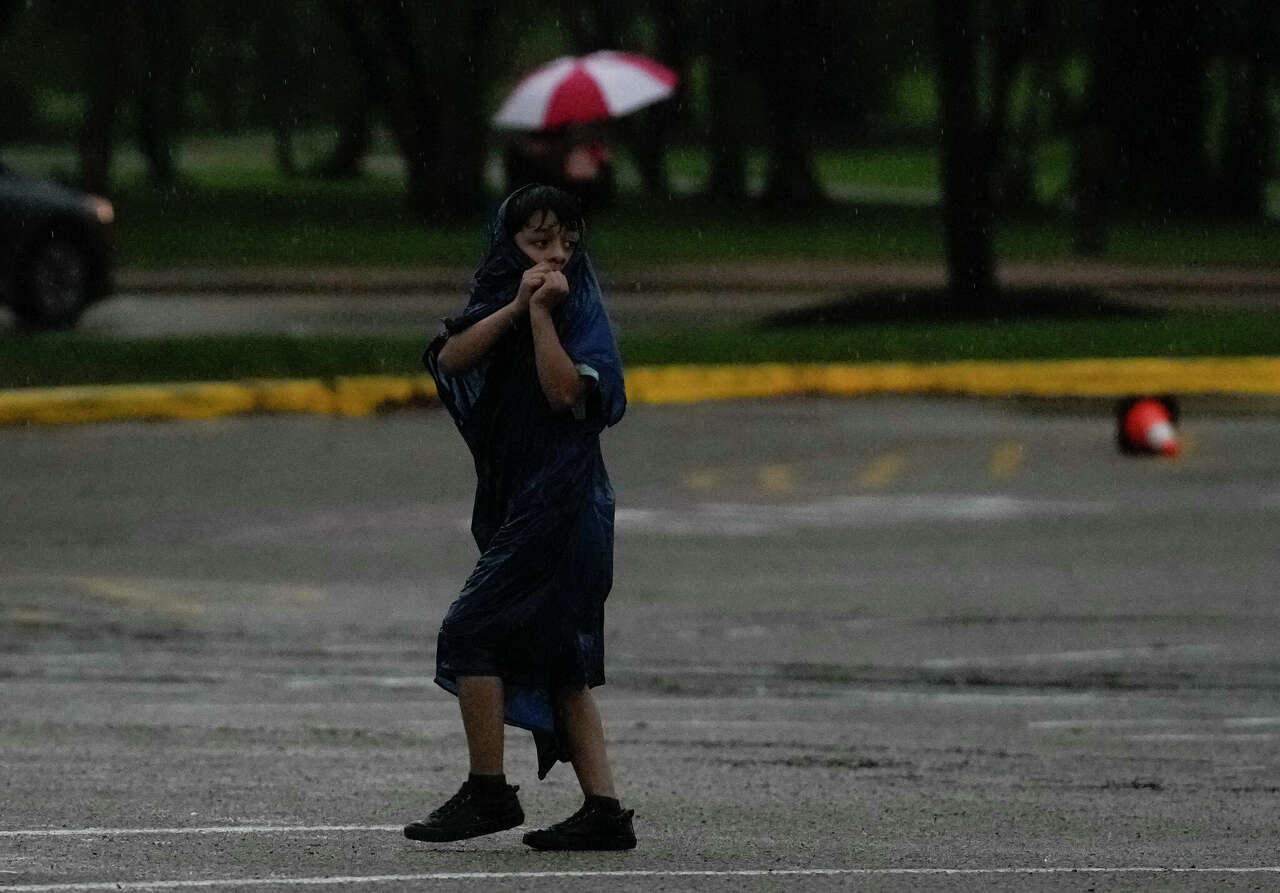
557,375
464,350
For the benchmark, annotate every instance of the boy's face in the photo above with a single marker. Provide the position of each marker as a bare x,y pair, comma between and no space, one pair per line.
545,241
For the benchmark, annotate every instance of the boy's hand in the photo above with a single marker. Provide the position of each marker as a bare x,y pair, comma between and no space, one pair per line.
530,282
552,291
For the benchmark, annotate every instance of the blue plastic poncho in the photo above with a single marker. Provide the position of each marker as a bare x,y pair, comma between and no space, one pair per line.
532,610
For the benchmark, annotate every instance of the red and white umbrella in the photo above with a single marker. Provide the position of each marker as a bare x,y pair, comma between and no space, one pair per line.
572,90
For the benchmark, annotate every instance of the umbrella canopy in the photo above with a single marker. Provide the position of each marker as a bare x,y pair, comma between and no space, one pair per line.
573,90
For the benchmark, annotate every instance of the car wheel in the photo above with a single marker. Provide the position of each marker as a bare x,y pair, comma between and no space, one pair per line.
54,288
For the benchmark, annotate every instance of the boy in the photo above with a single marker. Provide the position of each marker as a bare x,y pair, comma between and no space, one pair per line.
530,374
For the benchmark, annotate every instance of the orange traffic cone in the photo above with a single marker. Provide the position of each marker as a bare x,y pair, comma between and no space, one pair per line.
1145,426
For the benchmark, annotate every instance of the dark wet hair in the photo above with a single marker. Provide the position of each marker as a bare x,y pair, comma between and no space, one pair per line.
535,197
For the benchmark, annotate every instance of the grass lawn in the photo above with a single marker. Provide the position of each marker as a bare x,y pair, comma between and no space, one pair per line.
263,220
71,358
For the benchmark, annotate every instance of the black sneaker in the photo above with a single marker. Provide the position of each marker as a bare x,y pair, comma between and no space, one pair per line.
590,828
469,813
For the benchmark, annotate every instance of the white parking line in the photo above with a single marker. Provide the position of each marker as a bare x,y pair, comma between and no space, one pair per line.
1205,736
624,873
1099,655
1119,723
1206,725
209,829
733,519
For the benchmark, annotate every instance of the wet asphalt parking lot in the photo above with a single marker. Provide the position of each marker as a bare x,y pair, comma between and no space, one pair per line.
867,644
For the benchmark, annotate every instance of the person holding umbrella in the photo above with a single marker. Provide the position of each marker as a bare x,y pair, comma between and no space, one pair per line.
575,158
531,375
557,111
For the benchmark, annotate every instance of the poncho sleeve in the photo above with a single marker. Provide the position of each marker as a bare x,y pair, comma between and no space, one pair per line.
589,341
459,393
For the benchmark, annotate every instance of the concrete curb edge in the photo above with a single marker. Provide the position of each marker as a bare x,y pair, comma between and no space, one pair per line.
362,395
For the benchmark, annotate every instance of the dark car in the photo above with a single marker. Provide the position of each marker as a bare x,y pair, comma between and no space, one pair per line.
55,250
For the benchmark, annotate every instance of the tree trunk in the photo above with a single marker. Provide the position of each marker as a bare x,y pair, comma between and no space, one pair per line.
790,83
160,85
462,138
226,92
107,76
1092,142
1156,75
654,124
278,72
355,138
674,46
1018,45
966,199
727,148
645,133
1089,158
383,44
354,125
435,77
413,119
1242,176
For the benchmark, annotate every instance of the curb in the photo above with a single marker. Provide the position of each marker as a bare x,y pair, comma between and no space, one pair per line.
1244,376
362,395
349,396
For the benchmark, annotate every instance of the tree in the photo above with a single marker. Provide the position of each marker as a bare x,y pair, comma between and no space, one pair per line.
791,75
762,92
16,101
727,58
1019,51
1250,59
433,76
966,188
1150,67
107,74
159,82
277,44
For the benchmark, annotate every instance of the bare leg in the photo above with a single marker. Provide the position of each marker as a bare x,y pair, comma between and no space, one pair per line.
480,698
586,741
485,803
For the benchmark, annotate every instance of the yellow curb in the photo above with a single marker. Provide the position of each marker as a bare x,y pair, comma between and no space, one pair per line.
362,395
353,396
96,403
1056,378
289,395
